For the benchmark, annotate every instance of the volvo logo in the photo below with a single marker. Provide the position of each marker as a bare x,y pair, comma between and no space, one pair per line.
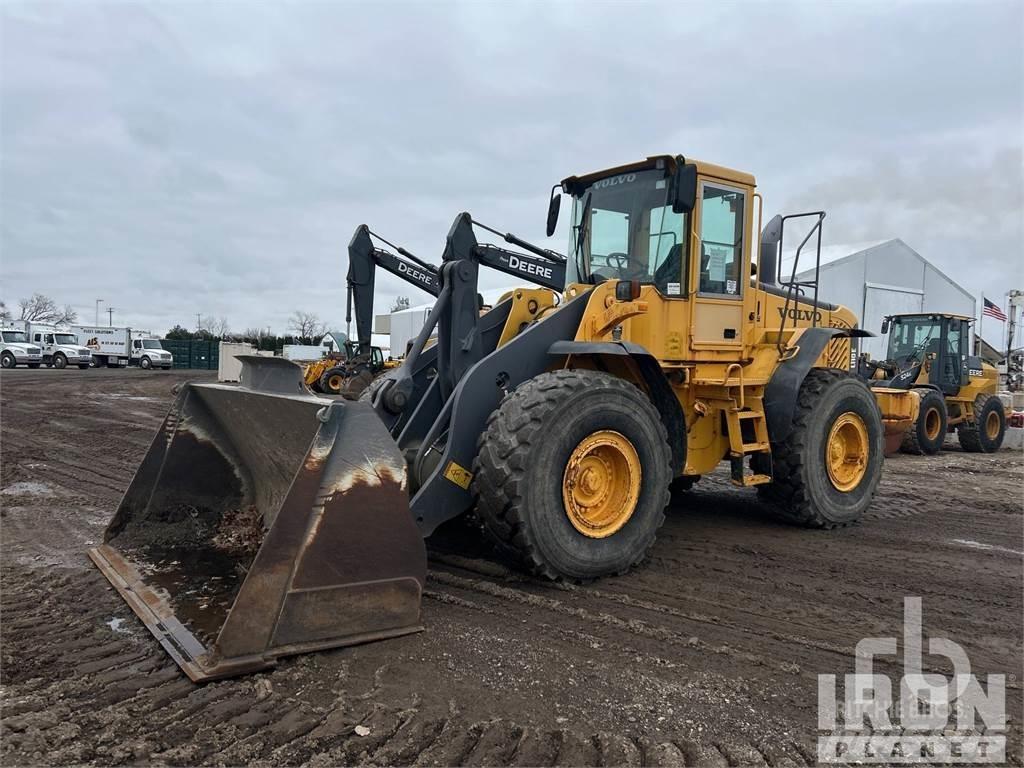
615,181
801,314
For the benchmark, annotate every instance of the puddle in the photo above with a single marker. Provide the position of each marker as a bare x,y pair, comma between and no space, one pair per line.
116,624
28,488
986,547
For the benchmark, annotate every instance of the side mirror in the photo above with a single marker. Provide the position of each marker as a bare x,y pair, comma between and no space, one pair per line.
553,208
885,325
684,189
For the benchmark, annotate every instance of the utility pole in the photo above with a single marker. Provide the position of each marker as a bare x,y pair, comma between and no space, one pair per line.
96,321
199,322
110,316
1016,301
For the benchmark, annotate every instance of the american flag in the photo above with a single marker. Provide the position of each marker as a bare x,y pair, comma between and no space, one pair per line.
993,311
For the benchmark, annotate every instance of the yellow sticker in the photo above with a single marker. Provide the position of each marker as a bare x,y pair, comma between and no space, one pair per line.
459,475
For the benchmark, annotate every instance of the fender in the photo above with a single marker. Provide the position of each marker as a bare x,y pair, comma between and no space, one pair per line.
782,390
660,390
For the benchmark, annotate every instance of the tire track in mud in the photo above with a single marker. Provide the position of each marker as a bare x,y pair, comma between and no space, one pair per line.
511,671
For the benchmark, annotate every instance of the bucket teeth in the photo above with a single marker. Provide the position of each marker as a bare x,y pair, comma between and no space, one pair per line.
266,522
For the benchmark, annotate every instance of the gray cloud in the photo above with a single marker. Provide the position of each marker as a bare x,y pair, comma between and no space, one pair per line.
183,158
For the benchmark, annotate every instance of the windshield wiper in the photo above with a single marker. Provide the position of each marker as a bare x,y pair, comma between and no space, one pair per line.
581,236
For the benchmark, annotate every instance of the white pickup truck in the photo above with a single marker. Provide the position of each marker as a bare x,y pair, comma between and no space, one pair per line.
114,347
60,345
16,349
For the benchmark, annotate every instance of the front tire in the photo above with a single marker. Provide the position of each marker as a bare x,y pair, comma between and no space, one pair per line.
59,361
145,363
332,380
826,470
986,432
7,360
928,433
572,474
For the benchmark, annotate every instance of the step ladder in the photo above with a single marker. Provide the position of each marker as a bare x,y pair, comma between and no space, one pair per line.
739,450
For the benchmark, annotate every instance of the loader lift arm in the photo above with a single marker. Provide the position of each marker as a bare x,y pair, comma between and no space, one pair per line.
363,259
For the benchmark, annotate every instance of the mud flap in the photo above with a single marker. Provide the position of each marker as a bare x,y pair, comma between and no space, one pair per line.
265,521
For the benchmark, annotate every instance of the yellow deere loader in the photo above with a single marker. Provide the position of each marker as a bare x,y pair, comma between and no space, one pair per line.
267,521
928,356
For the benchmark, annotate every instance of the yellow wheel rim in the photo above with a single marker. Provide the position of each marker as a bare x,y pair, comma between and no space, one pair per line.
932,423
847,458
992,425
601,484
334,382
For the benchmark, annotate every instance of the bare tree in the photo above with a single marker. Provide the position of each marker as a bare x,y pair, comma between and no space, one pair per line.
5,313
307,326
43,309
217,327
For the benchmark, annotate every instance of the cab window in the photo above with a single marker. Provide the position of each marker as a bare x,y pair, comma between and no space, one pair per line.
49,338
721,241
137,344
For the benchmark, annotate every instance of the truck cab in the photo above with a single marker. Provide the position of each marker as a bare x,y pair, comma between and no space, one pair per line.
60,346
147,352
16,349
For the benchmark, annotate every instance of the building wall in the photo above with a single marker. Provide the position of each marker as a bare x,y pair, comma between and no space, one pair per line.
889,279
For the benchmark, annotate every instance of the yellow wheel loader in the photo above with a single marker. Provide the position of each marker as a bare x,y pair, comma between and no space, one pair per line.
267,521
928,355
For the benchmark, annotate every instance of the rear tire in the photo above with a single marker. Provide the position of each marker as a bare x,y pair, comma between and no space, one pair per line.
928,433
805,486
59,361
7,360
522,479
985,434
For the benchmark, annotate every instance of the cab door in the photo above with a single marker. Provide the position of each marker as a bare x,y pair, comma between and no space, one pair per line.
719,269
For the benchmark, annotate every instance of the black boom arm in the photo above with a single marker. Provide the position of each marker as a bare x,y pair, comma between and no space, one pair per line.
363,259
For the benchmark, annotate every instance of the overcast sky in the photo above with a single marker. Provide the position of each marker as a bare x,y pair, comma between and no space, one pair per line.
183,158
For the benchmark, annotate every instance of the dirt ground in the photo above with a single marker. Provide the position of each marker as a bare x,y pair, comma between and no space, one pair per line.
709,654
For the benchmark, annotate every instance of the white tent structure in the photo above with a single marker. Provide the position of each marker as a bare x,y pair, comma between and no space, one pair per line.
881,278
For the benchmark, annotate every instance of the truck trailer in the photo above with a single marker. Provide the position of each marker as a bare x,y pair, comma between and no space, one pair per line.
115,347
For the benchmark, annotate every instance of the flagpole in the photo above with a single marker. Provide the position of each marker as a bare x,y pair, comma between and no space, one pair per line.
981,326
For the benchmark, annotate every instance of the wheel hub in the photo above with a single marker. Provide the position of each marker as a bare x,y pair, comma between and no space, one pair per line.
992,425
601,484
932,423
847,451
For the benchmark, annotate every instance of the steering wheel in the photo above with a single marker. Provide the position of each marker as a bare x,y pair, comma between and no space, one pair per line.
621,260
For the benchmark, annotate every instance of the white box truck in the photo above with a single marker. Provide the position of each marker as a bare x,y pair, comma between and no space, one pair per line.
16,349
61,346
114,347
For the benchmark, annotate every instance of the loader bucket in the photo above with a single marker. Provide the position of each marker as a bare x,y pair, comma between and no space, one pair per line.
266,521
899,409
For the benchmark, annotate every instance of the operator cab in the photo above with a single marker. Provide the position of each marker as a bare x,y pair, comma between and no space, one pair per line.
936,343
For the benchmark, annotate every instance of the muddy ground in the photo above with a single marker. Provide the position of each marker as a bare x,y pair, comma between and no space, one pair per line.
708,654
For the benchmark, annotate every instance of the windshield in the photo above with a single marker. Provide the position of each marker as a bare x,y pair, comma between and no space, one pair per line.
630,232
912,337
151,344
66,338
15,337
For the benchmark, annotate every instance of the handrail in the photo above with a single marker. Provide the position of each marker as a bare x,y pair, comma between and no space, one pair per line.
792,287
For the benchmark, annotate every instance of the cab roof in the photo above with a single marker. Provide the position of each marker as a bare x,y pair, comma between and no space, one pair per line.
656,161
952,315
